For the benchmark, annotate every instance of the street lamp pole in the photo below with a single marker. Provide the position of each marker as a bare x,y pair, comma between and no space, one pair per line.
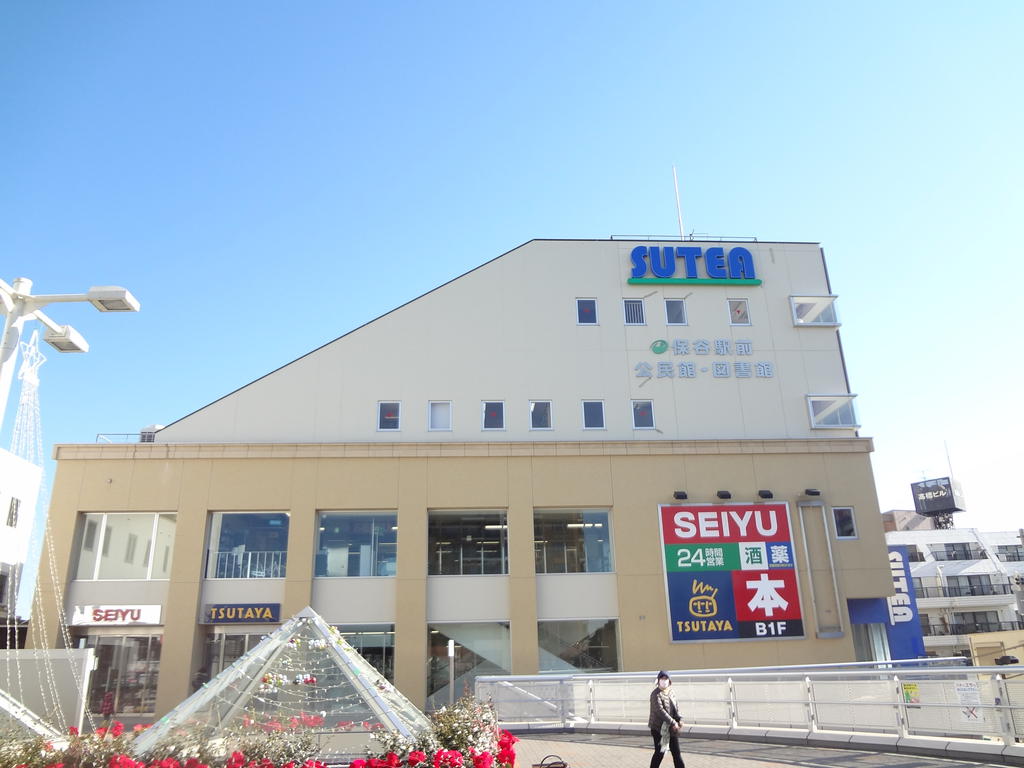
19,306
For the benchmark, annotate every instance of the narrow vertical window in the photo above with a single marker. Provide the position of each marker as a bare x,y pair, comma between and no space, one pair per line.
846,524
633,311
12,513
494,414
540,414
388,416
593,414
643,414
739,312
675,311
439,416
586,311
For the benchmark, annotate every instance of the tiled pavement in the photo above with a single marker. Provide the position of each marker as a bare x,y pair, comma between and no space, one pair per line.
581,750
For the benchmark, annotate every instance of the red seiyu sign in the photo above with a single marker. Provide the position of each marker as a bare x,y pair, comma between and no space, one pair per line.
730,572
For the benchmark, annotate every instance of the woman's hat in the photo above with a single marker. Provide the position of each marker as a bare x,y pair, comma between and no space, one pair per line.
663,674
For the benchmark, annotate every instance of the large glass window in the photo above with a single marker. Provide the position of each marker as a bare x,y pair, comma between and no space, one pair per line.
247,545
846,522
223,650
571,541
814,310
357,544
580,645
480,649
125,545
831,411
375,643
124,679
593,414
461,542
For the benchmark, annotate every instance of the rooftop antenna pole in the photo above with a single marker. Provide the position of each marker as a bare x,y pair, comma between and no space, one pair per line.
679,209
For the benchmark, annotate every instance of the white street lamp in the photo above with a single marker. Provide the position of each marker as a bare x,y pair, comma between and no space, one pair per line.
19,305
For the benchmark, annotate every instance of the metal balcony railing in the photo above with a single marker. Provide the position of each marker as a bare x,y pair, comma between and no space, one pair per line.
959,554
970,628
247,565
972,590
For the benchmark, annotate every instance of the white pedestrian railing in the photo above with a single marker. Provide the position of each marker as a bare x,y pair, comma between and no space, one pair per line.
247,565
983,707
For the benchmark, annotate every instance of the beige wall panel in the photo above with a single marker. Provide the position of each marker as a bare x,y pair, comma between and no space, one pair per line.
411,581
355,600
357,484
181,646
824,338
576,596
115,593
106,485
823,375
644,631
155,485
302,537
471,483
467,598
242,485
522,593
241,591
571,481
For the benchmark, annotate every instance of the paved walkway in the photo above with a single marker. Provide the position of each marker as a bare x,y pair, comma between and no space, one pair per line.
582,750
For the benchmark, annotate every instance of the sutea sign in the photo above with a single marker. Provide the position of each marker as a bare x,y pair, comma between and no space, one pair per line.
730,572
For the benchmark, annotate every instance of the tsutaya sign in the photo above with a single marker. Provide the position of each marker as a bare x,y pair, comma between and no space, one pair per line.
228,613
730,572
115,615
691,265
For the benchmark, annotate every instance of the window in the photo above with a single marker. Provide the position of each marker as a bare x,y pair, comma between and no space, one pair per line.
739,313
540,414
357,544
12,513
970,586
125,673
589,645
572,541
439,416
480,649
375,643
1012,553
248,545
643,414
593,414
814,310
223,650
831,411
127,531
3,589
846,524
969,622
494,414
586,311
463,542
388,416
633,309
675,312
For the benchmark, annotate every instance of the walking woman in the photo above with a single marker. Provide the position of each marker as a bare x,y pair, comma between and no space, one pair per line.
665,722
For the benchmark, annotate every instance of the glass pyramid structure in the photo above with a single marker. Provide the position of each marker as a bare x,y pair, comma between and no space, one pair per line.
18,722
304,675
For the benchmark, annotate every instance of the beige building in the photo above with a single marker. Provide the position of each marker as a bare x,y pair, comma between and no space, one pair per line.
595,455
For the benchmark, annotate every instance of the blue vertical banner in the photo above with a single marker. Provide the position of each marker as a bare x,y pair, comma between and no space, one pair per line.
906,640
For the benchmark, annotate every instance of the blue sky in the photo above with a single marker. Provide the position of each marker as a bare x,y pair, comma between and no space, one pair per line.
266,177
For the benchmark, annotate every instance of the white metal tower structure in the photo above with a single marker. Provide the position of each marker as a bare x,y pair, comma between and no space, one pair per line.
27,437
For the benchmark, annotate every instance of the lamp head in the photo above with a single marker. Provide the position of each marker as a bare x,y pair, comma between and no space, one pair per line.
66,340
112,298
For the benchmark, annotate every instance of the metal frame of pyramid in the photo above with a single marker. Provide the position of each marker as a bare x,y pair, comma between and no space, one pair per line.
18,721
303,675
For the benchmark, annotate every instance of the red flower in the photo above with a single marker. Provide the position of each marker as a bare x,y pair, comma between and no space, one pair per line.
311,763
101,732
139,727
392,760
483,760
506,756
506,739
236,760
358,763
289,764
416,757
447,758
72,731
117,729
55,765
169,762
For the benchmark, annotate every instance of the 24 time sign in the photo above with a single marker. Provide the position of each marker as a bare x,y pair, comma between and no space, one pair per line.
730,572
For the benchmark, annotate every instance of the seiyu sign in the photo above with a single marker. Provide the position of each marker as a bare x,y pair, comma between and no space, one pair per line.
114,615
730,572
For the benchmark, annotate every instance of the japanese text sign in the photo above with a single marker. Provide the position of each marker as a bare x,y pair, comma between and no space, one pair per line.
730,572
